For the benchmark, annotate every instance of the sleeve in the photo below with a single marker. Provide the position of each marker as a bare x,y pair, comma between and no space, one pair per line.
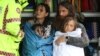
80,42
14,28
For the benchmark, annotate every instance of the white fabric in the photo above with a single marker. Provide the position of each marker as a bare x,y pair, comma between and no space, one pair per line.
67,50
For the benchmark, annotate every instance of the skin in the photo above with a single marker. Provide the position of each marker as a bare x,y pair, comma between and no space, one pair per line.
70,26
63,12
40,15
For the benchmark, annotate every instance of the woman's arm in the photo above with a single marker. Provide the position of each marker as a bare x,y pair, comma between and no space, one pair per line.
80,42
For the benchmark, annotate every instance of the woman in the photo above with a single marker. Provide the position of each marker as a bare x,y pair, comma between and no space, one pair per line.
38,33
66,9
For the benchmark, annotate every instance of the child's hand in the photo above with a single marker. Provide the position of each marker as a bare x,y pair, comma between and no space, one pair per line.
60,39
39,31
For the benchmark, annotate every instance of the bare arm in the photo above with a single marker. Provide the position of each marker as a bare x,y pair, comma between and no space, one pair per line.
80,42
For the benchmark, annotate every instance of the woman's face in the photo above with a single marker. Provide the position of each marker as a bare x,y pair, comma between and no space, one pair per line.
41,12
63,12
70,26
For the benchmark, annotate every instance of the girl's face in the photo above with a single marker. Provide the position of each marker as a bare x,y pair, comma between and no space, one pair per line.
41,12
63,12
70,26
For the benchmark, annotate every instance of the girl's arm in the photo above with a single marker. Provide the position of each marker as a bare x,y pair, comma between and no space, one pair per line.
80,42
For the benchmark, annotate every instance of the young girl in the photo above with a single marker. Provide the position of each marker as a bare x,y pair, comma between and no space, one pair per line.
66,9
68,28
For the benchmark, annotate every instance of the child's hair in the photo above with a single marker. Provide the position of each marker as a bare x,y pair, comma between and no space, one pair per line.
66,21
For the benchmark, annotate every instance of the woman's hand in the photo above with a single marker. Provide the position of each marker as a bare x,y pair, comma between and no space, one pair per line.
61,39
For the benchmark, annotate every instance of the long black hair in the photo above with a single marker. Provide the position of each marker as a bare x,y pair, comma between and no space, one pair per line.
47,20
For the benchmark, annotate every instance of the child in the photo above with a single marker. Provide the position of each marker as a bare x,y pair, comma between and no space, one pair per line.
68,28
45,30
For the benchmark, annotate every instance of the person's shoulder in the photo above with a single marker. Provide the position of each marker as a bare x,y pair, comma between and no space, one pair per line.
80,25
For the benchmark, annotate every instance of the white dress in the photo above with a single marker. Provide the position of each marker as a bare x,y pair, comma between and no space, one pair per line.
67,50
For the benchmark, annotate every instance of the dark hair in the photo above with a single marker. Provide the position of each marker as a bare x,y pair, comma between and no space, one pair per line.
69,6
66,21
47,18
47,8
58,21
